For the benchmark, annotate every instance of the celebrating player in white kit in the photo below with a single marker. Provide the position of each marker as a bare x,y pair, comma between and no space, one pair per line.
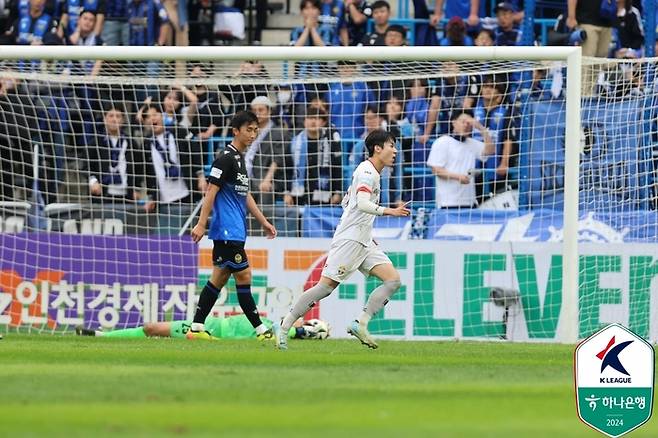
352,247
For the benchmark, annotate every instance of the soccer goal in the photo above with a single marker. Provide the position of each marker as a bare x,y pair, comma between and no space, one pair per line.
104,151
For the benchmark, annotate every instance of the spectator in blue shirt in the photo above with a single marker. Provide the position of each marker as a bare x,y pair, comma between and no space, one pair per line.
469,10
149,26
456,34
116,30
311,33
149,23
20,8
417,112
331,18
72,10
494,113
505,33
34,27
348,101
84,35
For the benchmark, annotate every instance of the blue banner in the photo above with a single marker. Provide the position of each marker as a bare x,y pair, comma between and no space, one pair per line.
541,226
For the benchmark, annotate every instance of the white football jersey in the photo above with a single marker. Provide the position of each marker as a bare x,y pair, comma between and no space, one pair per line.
355,224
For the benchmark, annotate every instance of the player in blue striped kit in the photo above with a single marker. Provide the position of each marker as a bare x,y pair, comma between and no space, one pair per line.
229,200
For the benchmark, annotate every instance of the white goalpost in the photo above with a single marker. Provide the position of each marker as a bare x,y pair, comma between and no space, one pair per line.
387,74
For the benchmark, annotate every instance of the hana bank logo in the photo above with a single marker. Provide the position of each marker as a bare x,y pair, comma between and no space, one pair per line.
609,357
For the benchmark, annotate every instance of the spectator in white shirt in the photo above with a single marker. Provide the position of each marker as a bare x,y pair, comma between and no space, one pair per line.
454,157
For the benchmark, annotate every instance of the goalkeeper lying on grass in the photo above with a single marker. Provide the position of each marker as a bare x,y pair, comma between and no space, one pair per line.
232,327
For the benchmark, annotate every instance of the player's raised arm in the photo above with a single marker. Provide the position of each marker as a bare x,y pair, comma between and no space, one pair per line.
364,204
400,210
252,207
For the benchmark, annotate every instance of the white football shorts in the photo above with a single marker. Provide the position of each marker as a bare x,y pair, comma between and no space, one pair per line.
346,256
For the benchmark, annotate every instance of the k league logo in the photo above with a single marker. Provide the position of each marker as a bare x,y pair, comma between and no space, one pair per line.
614,371
610,357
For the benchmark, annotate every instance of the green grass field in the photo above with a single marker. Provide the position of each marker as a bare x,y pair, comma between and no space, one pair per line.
68,386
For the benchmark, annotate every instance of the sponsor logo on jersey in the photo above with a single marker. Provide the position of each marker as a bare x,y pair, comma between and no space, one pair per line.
216,173
243,179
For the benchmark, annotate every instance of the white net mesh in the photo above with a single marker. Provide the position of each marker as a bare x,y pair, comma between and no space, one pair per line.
94,201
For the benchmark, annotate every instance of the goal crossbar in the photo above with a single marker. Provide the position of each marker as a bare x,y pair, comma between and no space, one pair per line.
264,53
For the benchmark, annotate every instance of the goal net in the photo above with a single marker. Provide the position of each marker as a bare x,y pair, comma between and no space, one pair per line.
105,152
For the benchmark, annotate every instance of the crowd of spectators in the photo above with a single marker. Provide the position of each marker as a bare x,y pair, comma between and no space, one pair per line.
148,145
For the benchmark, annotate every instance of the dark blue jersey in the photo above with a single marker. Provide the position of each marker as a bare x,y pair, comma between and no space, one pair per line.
145,18
74,7
229,213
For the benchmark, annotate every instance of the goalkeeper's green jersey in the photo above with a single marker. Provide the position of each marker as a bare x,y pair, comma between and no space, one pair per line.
233,327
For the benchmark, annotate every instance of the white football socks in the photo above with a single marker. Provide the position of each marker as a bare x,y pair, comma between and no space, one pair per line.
378,299
304,303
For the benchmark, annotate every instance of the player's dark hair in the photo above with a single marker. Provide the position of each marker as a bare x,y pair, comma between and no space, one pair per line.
377,138
113,106
317,4
381,4
498,82
154,106
242,118
488,32
372,109
397,28
315,112
458,112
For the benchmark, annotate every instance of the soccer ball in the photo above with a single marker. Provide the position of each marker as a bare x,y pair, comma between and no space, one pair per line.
316,329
